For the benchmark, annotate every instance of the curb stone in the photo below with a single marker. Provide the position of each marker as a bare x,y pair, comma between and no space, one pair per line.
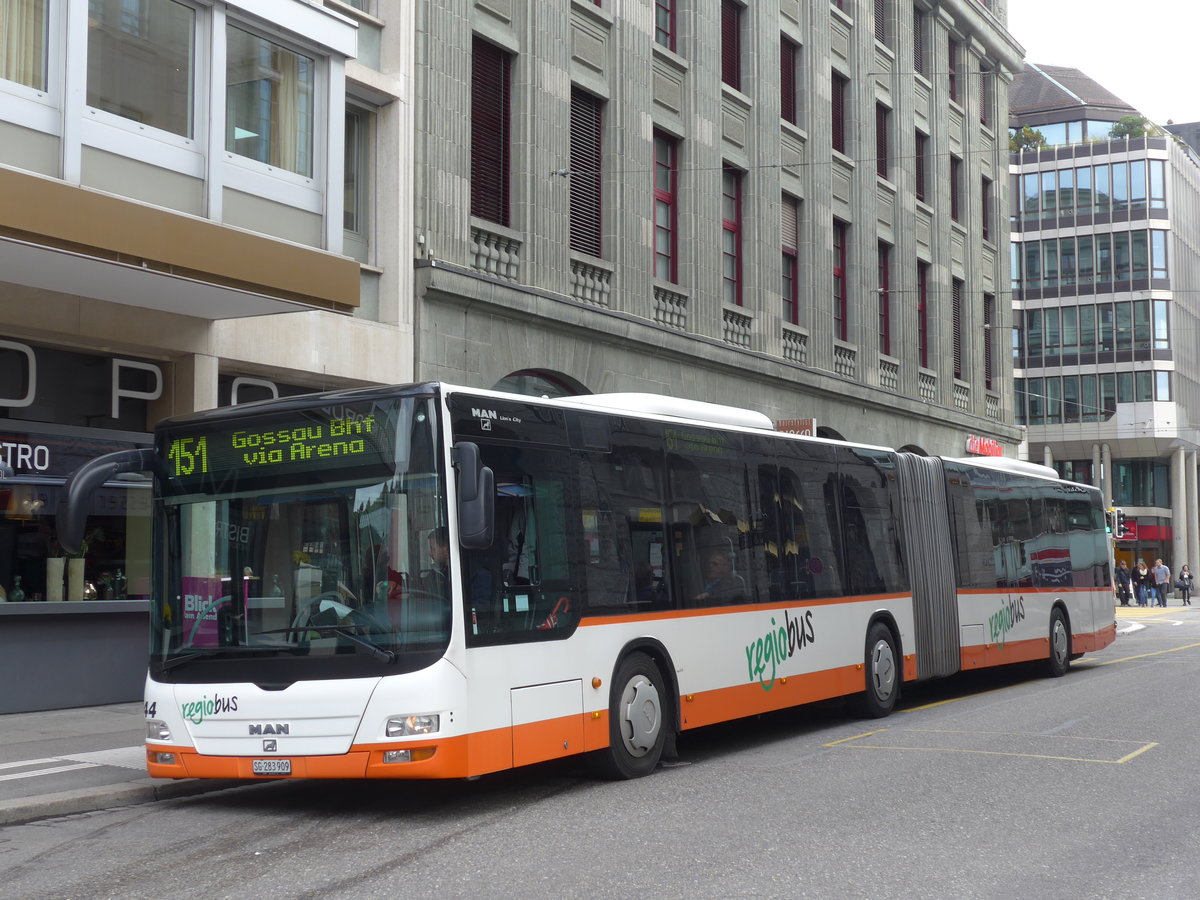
65,803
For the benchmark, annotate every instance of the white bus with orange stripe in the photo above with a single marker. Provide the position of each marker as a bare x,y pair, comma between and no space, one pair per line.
434,582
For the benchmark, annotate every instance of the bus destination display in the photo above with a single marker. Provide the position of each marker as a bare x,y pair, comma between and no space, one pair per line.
304,441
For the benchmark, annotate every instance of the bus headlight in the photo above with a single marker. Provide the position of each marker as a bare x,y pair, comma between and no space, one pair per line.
157,731
403,726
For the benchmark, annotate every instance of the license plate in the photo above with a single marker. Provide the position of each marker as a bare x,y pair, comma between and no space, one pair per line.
271,767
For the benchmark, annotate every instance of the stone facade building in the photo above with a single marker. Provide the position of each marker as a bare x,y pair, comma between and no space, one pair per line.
795,206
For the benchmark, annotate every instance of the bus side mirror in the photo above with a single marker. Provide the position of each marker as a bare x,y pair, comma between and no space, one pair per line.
72,512
476,497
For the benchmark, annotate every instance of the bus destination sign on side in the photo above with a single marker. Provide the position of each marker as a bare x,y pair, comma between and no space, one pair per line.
303,441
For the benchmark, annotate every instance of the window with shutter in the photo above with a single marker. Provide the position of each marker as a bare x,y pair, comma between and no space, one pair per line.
491,149
731,49
585,172
956,300
881,31
989,313
985,207
923,314
885,299
788,53
955,188
952,70
985,105
920,154
919,62
838,112
881,139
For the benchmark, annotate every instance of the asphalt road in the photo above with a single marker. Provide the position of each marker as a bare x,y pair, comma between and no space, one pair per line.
1000,786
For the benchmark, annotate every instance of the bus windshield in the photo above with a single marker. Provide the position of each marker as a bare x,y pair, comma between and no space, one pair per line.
303,544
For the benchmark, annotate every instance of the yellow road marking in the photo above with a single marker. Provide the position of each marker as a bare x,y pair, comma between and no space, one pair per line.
856,737
1109,662
1110,762
1027,734
956,699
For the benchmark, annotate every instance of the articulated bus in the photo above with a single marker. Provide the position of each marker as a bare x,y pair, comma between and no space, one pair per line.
428,581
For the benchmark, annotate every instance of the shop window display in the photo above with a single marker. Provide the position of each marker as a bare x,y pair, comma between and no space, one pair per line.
114,563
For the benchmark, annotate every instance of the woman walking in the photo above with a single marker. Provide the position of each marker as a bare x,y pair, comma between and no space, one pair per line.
1142,580
1185,582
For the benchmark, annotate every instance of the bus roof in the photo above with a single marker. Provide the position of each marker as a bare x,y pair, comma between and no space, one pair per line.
663,405
1004,464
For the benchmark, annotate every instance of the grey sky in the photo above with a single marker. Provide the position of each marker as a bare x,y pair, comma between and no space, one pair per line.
1145,53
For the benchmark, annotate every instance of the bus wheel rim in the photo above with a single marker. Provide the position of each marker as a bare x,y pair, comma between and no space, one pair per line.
1059,640
641,716
883,670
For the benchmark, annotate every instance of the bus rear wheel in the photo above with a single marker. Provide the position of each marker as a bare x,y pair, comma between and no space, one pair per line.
1060,645
637,720
882,672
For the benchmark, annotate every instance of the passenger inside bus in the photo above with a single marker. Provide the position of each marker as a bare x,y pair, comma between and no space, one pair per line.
436,579
721,583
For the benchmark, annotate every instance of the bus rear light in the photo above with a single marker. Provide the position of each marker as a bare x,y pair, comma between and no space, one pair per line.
157,731
403,726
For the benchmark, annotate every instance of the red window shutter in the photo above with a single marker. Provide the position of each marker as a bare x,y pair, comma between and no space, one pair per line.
923,314
985,208
731,50
838,112
955,179
885,300
919,42
787,81
490,132
956,298
989,313
585,172
922,148
953,70
881,139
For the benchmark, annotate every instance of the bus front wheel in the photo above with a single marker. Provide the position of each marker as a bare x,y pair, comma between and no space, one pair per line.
882,672
637,720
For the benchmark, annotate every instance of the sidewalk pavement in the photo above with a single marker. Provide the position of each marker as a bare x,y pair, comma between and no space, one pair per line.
67,761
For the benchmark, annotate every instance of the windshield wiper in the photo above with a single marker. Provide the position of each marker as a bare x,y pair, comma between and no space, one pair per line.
380,653
180,659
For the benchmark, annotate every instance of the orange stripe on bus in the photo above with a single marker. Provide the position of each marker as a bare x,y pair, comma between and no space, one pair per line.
723,704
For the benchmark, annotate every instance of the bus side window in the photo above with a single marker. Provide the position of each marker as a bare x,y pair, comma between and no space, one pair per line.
627,563
868,494
710,518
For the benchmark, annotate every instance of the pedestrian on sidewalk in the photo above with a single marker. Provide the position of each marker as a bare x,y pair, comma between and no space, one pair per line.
1142,579
1185,582
1162,580
1123,583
